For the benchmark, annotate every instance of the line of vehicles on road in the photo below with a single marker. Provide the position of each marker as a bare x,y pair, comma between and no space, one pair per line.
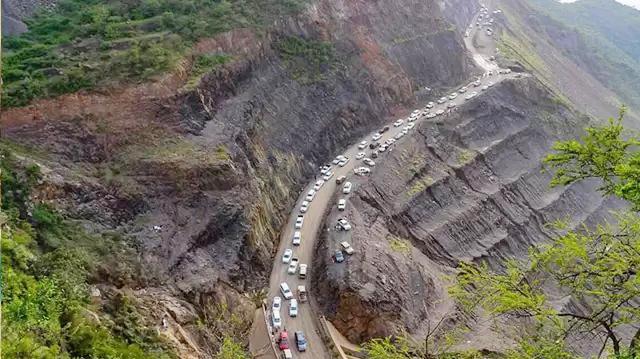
376,147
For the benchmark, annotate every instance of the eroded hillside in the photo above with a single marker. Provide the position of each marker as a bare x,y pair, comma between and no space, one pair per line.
198,169
468,187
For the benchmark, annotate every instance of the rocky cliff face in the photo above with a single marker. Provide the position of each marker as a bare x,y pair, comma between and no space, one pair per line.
201,179
15,11
468,187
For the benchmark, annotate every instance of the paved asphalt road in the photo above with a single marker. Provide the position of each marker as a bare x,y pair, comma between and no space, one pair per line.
313,219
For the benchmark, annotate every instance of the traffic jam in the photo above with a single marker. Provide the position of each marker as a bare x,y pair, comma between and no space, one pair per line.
369,151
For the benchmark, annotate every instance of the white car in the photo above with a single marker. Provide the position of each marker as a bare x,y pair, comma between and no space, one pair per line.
297,238
286,257
343,162
293,266
318,184
344,224
442,100
410,126
362,145
327,176
430,115
463,90
453,96
376,136
369,162
346,189
439,112
342,204
293,308
390,141
483,88
299,221
304,207
361,171
451,105
398,135
398,123
325,169
430,105
335,161
382,148
302,272
476,83
360,155
277,302
277,322
286,292
310,195
489,84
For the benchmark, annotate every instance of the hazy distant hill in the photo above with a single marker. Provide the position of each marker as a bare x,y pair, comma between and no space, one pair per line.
611,32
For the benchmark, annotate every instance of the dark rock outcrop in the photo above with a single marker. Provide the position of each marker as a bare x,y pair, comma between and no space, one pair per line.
467,187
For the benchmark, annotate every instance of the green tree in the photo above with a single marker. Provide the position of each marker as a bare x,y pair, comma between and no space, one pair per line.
230,349
597,267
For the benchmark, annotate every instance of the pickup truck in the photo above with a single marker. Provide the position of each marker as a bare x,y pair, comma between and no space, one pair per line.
302,293
347,248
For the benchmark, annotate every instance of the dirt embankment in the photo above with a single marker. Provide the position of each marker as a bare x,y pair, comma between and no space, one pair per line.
201,178
469,187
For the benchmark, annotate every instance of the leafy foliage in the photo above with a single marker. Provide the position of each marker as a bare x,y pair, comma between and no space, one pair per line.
596,268
82,44
386,348
230,349
308,60
47,264
604,154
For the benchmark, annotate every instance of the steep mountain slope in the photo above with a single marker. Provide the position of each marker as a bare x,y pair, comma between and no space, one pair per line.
466,187
199,175
565,60
611,49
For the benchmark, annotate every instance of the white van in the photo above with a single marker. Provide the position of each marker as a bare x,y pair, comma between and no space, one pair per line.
275,316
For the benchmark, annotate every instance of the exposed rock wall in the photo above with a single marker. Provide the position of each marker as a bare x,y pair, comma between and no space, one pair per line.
210,173
468,187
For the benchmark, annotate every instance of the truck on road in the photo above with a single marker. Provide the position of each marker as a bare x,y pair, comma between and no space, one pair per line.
302,293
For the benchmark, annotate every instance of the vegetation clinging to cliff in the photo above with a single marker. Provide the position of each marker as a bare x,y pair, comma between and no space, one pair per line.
308,60
83,44
47,265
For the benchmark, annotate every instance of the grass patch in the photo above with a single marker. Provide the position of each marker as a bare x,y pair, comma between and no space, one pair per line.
399,245
309,61
465,156
83,44
179,151
420,185
204,64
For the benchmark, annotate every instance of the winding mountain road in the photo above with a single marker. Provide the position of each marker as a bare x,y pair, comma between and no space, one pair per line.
306,319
